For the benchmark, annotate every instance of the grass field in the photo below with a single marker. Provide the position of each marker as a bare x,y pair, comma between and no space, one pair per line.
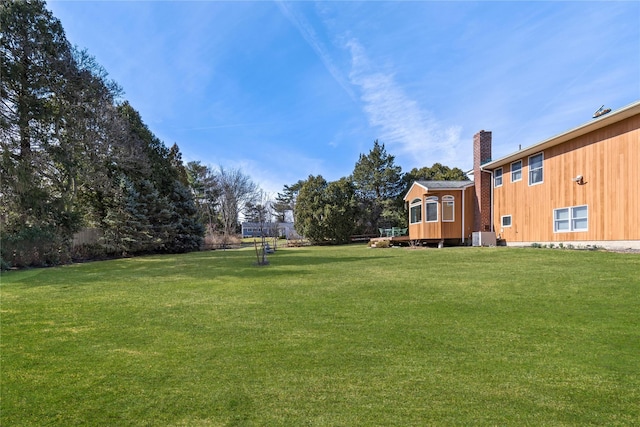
325,336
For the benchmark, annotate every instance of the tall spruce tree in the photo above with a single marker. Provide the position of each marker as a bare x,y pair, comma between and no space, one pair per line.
309,213
35,60
206,193
340,211
71,156
35,64
286,201
378,182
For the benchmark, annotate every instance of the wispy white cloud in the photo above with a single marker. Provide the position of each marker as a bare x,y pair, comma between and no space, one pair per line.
405,125
407,128
312,38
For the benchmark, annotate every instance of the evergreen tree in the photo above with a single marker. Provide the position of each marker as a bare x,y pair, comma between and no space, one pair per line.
126,227
206,193
187,231
378,181
35,64
286,201
340,210
281,207
71,157
35,58
143,157
310,209
155,217
437,172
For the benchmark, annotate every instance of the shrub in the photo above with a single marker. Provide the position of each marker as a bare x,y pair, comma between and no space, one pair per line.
88,251
33,247
383,244
222,241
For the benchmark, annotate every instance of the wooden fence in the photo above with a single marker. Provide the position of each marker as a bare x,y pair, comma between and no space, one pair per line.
87,236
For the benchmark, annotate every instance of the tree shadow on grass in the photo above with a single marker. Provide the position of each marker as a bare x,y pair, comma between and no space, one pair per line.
243,263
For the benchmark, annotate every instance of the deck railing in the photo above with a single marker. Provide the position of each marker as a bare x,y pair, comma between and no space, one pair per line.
393,232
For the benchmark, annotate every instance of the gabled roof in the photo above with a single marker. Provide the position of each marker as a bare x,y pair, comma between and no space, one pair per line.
593,125
440,185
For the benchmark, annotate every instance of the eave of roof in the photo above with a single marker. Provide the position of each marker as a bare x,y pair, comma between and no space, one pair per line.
440,185
595,124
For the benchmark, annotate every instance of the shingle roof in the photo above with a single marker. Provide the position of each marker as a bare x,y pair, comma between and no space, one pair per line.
445,185
441,185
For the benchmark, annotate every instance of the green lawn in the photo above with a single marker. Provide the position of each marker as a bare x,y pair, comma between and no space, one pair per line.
325,336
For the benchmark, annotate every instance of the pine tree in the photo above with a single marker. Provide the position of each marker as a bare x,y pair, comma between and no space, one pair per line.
310,213
340,210
35,57
186,232
377,180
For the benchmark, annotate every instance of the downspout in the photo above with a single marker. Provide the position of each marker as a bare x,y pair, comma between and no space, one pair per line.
463,213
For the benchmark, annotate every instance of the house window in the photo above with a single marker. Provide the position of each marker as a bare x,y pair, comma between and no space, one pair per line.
575,218
448,209
535,169
415,211
497,177
580,218
505,221
516,171
431,207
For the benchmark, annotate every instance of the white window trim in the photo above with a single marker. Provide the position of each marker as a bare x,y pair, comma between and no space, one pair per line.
452,200
415,203
502,221
570,220
541,168
501,178
431,200
511,171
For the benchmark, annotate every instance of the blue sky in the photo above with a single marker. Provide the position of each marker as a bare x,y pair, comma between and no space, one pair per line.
283,90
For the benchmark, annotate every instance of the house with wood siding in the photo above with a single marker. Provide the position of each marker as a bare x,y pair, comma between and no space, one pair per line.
581,187
440,211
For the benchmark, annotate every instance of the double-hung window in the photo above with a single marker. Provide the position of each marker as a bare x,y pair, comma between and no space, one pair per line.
415,211
516,171
497,177
431,207
536,169
575,218
448,209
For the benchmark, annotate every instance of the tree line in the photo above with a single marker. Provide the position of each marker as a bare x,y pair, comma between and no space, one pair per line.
360,204
75,155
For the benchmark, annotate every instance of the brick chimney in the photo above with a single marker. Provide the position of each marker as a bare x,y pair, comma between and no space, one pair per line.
482,154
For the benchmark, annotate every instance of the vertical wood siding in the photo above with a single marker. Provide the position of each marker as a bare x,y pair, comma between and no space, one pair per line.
609,161
443,230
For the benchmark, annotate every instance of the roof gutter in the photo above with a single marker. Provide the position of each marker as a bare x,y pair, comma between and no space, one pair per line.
598,123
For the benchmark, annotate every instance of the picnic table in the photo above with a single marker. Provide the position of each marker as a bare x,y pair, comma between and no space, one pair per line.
392,232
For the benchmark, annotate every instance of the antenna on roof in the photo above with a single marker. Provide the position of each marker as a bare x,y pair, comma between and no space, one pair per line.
601,111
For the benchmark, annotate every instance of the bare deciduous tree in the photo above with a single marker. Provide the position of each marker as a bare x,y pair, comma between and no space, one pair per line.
237,190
